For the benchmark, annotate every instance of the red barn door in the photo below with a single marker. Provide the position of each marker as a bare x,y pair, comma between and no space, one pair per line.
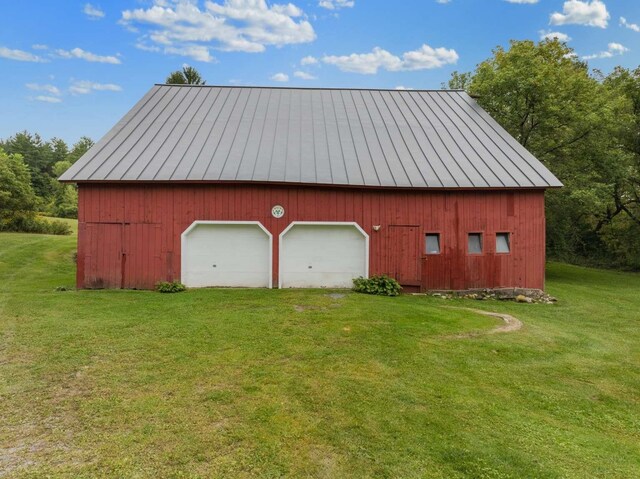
101,255
405,250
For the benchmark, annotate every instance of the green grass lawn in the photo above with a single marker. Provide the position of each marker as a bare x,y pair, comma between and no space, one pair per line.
251,383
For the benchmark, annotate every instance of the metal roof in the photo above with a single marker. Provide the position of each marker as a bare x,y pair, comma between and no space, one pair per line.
378,138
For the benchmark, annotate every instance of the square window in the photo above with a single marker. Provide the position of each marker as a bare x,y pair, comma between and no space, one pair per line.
475,243
433,243
503,243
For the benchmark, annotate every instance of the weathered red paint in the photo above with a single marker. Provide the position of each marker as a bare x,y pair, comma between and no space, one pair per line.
129,235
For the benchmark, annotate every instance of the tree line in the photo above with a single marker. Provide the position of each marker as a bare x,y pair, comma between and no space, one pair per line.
585,127
29,186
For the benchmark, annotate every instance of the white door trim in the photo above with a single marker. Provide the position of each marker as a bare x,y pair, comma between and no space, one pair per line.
323,223
183,238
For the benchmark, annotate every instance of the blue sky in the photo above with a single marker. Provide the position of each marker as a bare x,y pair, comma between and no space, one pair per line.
74,68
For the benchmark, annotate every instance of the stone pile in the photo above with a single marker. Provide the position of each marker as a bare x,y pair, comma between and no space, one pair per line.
519,295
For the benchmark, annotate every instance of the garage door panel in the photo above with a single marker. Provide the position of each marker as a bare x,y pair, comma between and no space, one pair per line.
318,280
316,256
228,255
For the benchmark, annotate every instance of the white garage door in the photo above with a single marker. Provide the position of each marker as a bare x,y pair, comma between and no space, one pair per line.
322,255
226,254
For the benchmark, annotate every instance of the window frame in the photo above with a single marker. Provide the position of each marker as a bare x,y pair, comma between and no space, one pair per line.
509,235
482,245
433,233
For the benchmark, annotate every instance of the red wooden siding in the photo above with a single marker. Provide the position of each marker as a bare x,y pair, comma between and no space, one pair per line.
129,235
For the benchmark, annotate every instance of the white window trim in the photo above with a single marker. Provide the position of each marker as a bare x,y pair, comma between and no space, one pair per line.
323,223
185,233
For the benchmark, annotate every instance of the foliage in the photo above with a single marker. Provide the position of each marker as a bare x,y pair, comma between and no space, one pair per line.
380,285
17,198
584,127
79,148
57,227
70,224
46,161
170,287
36,225
60,167
37,155
187,76
458,81
65,202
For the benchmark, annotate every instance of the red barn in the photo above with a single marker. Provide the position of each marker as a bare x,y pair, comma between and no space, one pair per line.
286,187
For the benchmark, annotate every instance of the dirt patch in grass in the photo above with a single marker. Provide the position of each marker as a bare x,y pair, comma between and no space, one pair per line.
511,324
336,295
301,309
322,305
12,458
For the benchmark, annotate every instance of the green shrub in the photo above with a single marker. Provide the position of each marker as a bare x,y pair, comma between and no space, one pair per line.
33,224
58,228
381,285
170,287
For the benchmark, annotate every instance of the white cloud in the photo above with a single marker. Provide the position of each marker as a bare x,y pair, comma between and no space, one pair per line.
613,49
93,12
400,87
82,87
147,48
197,52
423,58
304,75
235,25
549,35
39,46
510,1
48,99
53,90
631,26
20,55
336,4
88,56
281,77
592,13
309,60
617,48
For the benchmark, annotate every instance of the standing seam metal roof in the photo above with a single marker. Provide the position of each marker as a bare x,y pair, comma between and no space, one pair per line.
378,138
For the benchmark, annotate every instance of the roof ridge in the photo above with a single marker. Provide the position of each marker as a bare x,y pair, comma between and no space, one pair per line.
274,87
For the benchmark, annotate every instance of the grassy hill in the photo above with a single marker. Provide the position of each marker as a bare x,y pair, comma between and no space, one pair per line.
250,383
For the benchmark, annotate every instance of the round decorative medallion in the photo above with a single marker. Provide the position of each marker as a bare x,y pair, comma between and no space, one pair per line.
277,211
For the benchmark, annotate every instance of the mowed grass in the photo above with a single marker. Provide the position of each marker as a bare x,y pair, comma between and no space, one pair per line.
250,383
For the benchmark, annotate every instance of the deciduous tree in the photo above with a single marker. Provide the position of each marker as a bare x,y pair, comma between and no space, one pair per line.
187,76
583,126
17,198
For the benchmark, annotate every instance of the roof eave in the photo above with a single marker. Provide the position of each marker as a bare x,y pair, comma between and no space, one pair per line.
309,185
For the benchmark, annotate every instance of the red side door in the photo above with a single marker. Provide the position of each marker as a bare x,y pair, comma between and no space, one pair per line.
405,250
102,255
